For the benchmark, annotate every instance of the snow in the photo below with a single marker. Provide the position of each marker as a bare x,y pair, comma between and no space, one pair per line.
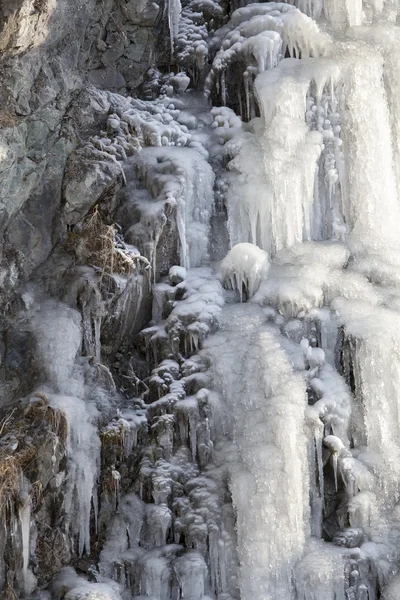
176,275
243,269
72,587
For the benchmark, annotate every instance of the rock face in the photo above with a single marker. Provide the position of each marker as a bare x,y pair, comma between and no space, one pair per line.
52,53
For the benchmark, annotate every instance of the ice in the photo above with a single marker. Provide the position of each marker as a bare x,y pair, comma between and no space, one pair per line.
243,269
158,521
123,532
57,330
190,571
174,13
293,286
70,586
83,450
321,574
392,591
266,443
183,180
58,335
25,519
266,400
195,30
257,37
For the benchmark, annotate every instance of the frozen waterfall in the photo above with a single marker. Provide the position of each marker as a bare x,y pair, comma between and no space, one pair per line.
223,397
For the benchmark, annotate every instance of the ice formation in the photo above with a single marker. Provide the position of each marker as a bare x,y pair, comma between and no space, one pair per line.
174,12
244,267
267,400
252,451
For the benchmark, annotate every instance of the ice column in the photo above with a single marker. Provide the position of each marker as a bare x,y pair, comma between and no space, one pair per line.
270,480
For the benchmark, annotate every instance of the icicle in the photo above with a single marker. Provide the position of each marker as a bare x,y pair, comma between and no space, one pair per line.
246,266
222,563
335,468
223,88
316,470
25,519
246,77
97,343
213,553
318,438
174,14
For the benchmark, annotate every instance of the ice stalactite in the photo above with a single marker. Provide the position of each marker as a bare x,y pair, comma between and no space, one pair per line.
174,9
83,466
184,181
58,338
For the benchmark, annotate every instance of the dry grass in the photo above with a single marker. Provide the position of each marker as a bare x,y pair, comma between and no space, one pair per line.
42,396
28,428
11,469
95,243
113,436
56,418
36,494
